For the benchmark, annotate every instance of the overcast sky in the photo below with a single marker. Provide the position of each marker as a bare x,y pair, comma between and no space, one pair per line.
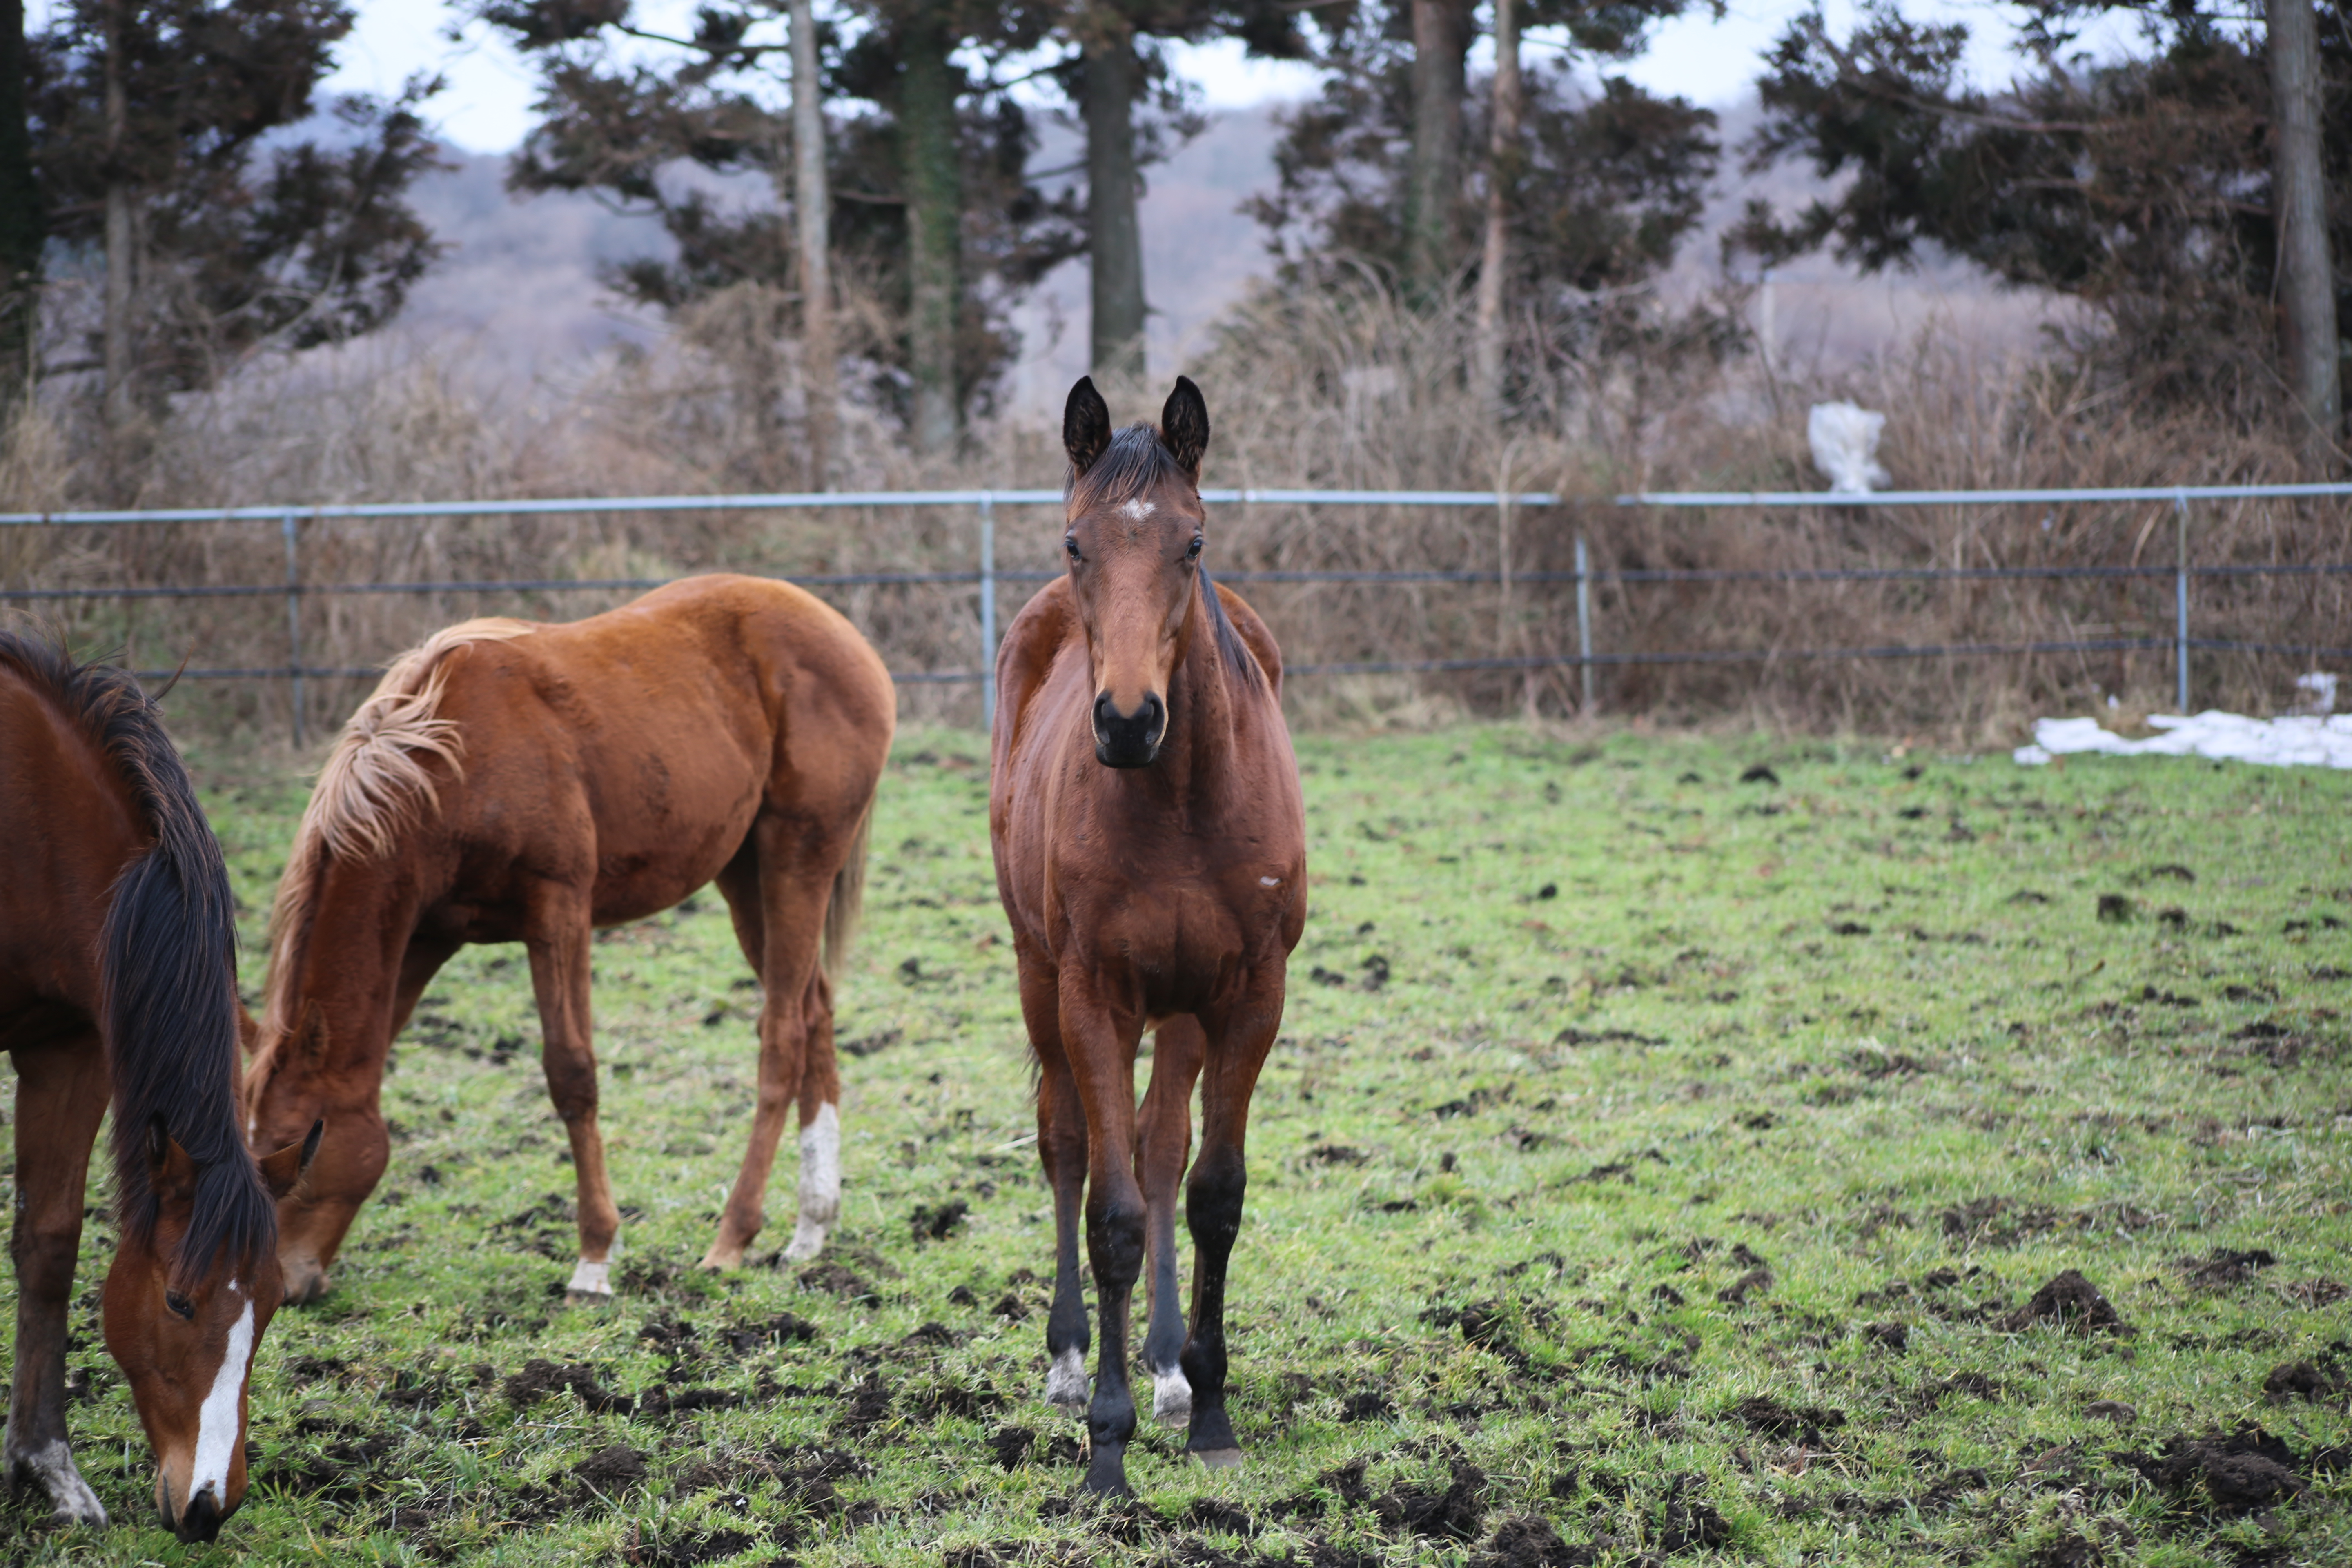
487,107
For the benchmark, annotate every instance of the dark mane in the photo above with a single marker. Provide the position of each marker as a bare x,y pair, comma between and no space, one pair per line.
168,1012
1137,461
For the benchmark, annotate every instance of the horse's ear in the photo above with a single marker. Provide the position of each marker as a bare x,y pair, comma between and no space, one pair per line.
280,1172
1086,425
1184,426
170,1172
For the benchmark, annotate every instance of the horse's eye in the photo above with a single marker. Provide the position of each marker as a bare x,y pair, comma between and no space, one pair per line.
1072,546
1192,551
180,1306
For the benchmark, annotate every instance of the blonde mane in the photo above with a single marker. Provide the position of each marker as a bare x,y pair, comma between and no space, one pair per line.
375,785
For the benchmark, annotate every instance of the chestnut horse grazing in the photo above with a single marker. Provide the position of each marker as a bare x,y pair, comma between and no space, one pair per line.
118,979
1152,853
510,782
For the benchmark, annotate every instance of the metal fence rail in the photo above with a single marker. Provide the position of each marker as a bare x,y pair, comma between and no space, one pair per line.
986,578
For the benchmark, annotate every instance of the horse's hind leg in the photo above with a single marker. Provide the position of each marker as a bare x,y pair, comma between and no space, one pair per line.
558,943
793,871
60,1096
1163,1143
1212,1207
1062,1151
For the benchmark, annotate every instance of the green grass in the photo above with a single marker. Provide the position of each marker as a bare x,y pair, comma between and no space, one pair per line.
1496,1204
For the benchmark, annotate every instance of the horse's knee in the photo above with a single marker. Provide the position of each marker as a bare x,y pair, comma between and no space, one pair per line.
1114,1236
572,1085
1212,1200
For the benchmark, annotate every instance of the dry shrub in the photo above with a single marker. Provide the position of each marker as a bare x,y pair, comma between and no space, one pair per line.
1340,390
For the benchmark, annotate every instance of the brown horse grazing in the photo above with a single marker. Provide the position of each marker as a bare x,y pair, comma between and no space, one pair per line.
1150,851
117,978
510,782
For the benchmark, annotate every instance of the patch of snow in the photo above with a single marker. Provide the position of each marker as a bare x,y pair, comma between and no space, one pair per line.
2288,743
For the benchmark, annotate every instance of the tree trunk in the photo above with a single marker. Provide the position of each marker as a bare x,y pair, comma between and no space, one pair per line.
2299,200
933,182
1502,169
115,331
1114,229
819,383
22,229
1441,41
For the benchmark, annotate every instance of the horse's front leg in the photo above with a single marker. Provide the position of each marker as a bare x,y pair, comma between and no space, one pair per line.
1164,1144
61,1096
1237,1046
559,944
1062,1152
1099,1038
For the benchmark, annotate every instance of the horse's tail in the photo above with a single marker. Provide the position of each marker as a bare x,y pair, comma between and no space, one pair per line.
849,900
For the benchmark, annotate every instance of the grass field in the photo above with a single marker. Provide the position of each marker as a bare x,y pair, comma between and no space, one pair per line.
1653,1164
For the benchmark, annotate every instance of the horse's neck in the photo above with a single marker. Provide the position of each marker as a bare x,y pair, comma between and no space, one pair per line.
1202,702
347,964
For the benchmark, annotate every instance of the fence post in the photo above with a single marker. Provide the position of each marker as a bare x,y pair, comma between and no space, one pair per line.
291,527
2180,597
987,612
1584,625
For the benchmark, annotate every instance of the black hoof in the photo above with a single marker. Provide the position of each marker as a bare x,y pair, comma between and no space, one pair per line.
1106,1471
1211,1432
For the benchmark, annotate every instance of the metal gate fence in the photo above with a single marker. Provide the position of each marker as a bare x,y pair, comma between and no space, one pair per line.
986,579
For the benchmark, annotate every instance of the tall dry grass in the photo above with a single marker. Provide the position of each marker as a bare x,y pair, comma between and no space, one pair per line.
1340,390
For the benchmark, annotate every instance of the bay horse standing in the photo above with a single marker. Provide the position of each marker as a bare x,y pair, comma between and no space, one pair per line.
1152,855
118,982
514,782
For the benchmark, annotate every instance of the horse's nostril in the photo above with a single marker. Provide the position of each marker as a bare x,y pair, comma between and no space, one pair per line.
201,1519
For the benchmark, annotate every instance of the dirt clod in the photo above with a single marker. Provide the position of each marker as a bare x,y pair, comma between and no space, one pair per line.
1892,1338
613,1469
2241,1471
1453,1514
1763,1414
2114,1410
1754,1282
2224,1267
539,1378
937,1222
2302,1380
1530,1542
2070,1302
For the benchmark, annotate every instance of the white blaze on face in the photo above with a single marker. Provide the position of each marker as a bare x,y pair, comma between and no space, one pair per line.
216,1421
820,1195
1136,510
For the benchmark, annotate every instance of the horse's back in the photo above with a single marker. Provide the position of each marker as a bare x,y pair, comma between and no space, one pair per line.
647,739
72,826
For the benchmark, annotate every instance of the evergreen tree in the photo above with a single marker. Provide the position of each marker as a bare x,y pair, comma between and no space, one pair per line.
1116,66
148,122
1600,187
2138,187
931,208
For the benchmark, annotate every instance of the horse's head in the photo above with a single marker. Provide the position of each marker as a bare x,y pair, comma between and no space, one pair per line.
289,1085
186,1301
1133,537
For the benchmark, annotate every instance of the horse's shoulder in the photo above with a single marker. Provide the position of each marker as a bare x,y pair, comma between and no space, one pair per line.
1255,633
1025,657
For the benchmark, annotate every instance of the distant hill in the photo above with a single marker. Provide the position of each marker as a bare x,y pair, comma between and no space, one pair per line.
520,281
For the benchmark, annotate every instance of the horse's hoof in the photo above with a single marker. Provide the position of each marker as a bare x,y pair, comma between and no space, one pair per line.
1172,1399
51,1469
808,1240
590,1282
1067,1388
1219,1459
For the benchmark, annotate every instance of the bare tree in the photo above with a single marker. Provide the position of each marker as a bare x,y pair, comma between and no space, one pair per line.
24,228
2299,206
812,218
1502,168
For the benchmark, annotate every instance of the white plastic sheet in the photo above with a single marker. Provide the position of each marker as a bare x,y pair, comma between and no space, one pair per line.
1844,439
2290,743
